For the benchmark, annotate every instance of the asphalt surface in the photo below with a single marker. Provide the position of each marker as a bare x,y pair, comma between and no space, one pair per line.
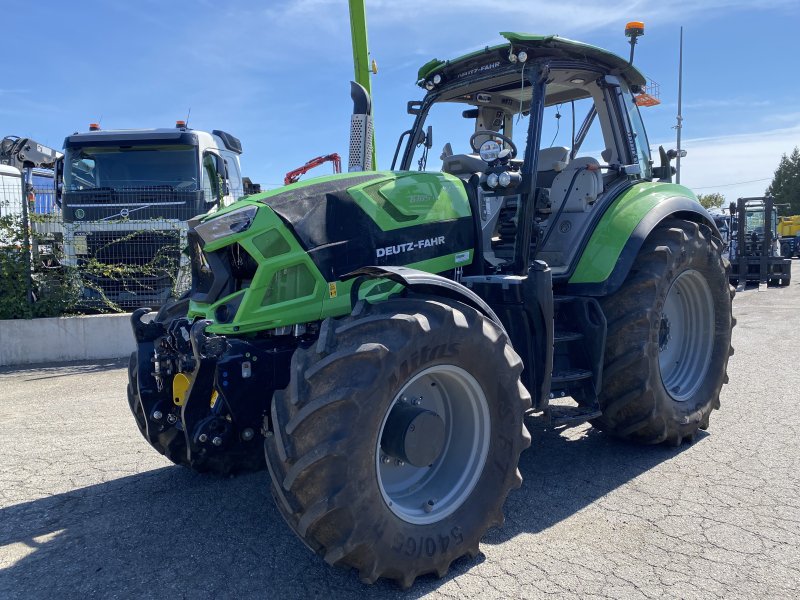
88,509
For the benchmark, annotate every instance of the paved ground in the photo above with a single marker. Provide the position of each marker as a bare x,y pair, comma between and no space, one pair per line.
86,508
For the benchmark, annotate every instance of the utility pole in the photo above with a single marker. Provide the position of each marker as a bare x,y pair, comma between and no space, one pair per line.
361,60
679,126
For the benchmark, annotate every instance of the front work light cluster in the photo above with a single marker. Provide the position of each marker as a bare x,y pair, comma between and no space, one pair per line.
235,221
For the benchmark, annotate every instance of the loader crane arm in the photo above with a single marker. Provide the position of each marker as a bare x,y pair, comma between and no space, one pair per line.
23,153
294,175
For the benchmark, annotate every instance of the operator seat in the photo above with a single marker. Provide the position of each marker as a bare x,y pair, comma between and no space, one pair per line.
551,162
581,193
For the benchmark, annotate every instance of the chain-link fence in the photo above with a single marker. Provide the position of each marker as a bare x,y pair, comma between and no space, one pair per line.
93,250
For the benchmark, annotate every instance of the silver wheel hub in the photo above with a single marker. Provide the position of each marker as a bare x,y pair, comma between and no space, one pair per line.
433,444
686,335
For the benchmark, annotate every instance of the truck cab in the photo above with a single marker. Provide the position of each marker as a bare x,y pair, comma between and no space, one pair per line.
148,173
126,197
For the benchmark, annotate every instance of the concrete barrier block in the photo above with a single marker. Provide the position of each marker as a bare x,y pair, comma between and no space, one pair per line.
65,338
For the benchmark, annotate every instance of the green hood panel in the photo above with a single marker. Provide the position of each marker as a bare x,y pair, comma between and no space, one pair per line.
618,223
412,198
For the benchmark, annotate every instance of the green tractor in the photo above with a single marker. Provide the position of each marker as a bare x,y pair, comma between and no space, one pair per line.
377,338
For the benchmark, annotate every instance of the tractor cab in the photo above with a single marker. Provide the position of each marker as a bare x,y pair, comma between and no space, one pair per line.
540,121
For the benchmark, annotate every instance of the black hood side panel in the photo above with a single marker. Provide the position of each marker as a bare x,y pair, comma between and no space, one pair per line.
340,237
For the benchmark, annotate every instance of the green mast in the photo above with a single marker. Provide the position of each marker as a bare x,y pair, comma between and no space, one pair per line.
361,60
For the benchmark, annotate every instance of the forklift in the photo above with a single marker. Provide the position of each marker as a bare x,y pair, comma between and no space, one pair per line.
754,251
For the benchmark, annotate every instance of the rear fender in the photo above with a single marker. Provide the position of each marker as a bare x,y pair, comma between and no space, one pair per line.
614,244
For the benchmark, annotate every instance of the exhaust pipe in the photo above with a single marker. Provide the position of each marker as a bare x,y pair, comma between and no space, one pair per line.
360,158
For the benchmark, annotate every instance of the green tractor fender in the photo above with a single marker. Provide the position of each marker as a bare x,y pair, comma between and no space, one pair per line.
615,242
422,282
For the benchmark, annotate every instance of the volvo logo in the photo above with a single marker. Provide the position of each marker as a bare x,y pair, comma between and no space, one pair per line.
79,213
124,213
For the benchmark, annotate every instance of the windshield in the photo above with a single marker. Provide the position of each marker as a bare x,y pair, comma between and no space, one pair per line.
754,222
573,98
118,167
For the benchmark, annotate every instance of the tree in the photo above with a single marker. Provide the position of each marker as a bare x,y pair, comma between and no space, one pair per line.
714,200
785,186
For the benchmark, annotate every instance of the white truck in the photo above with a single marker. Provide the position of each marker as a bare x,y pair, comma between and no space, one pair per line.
125,197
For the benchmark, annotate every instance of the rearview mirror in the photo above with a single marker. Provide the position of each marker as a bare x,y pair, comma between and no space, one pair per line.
414,107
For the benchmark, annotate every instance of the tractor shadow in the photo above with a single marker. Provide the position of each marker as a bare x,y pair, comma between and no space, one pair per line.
565,471
172,533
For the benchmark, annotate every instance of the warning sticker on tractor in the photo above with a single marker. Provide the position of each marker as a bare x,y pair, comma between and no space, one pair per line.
332,293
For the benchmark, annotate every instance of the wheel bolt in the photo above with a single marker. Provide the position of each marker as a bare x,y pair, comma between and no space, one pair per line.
399,462
157,415
417,401
247,434
217,441
203,438
171,419
386,460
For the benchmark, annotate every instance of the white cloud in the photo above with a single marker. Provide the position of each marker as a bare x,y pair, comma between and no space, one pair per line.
735,165
573,16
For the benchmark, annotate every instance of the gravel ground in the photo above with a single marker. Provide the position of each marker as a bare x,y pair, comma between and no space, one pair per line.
88,509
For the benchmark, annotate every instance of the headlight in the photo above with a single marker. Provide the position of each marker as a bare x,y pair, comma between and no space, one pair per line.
492,180
504,179
233,222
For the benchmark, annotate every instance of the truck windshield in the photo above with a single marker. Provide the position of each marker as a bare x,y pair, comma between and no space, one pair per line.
174,167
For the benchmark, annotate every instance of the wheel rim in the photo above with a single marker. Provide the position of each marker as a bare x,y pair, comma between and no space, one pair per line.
422,495
686,335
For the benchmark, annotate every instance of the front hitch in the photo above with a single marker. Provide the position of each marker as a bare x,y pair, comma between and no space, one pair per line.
206,431
154,404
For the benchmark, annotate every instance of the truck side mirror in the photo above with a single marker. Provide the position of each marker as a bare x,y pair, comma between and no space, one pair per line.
222,171
217,173
58,177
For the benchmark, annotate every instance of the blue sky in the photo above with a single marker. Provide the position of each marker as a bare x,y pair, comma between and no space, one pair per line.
275,73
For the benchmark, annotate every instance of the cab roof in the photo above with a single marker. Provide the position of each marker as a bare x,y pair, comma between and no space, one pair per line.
537,47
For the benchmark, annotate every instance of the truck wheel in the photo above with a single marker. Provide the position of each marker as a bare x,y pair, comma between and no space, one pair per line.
669,336
396,443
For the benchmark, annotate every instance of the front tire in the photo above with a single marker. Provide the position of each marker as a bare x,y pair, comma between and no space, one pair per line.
669,334
337,475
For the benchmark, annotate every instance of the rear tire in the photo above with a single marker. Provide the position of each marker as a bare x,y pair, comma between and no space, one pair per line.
333,482
669,334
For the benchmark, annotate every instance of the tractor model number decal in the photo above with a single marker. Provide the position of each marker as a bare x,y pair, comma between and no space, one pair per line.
409,246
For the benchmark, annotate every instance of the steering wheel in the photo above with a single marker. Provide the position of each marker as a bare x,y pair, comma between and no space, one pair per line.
484,132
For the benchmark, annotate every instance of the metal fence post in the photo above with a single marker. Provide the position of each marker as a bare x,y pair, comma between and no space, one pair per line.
27,186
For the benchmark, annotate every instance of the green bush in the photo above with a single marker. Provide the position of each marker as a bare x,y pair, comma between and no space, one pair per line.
53,289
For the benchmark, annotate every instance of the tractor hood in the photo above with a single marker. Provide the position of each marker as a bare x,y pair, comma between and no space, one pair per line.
280,257
348,221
